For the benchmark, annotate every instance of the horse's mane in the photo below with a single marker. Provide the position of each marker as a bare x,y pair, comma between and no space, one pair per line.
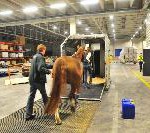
79,53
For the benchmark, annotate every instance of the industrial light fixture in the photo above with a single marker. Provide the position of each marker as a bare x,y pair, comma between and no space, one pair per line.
89,2
140,27
111,17
112,25
79,22
8,12
86,29
131,38
58,5
54,27
136,32
66,32
113,30
30,9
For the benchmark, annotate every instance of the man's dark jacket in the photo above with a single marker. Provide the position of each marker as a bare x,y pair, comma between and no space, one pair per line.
38,69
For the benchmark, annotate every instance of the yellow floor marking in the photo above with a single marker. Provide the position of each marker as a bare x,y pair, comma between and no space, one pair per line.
141,79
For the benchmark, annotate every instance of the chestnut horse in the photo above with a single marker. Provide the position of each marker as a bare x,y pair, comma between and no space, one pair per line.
66,69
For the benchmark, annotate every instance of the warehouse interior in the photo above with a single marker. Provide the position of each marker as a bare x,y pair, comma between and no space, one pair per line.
117,31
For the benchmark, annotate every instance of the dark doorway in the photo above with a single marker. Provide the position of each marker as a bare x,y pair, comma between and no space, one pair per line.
146,59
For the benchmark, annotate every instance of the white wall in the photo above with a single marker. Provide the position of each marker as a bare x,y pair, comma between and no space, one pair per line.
96,46
120,44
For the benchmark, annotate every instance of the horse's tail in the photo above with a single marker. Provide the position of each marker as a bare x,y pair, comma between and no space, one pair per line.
59,82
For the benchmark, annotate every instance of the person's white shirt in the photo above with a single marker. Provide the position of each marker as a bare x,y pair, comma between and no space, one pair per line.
88,56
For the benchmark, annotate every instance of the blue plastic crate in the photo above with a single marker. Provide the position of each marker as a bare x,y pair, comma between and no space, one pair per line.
128,109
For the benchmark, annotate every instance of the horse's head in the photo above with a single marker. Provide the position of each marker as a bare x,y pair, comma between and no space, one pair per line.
80,52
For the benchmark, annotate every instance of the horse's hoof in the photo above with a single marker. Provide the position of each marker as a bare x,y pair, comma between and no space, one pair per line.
58,123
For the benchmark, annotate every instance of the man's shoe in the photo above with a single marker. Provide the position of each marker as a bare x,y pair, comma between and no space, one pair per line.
30,117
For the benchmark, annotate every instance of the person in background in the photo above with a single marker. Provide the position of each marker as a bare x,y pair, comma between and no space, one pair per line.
87,67
140,60
37,80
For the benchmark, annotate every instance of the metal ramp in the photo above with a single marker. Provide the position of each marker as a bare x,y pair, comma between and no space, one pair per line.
93,93
77,122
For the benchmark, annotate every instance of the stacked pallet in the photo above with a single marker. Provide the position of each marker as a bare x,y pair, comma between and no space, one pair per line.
128,54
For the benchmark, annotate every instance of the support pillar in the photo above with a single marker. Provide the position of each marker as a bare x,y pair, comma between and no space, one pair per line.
72,26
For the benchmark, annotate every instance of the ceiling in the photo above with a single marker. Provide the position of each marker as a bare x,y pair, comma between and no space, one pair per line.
128,16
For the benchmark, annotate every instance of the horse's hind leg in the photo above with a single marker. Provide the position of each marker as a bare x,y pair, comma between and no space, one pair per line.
72,97
57,118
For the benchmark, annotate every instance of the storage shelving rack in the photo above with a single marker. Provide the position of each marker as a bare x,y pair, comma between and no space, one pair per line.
15,51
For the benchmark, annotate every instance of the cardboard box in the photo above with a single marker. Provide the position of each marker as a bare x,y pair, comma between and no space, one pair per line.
17,55
12,55
20,54
20,40
11,48
13,62
20,48
4,54
7,62
3,47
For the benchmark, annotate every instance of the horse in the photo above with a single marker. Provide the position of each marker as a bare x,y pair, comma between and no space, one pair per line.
66,69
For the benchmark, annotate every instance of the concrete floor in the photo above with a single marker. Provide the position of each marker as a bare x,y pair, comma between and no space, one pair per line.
14,97
108,116
124,85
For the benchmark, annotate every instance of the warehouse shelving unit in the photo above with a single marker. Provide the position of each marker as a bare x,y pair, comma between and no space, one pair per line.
11,51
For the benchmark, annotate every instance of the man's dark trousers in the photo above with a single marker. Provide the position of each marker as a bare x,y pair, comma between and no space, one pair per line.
141,65
33,88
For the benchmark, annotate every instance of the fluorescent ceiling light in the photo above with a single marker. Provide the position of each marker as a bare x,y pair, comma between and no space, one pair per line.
79,22
87,29
136,32
66,32
111,17
131,38
6,12
89,2
140,27
113,30
57,6
54,27
92,33
112,25
133,35
30,9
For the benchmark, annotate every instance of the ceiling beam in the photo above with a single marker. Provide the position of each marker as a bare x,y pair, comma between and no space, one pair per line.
65,18
102,4
69,2
131,3
97,25
146,4
12,6
48,30
114,2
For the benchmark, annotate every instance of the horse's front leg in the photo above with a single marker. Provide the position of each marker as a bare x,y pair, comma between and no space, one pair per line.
57,118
